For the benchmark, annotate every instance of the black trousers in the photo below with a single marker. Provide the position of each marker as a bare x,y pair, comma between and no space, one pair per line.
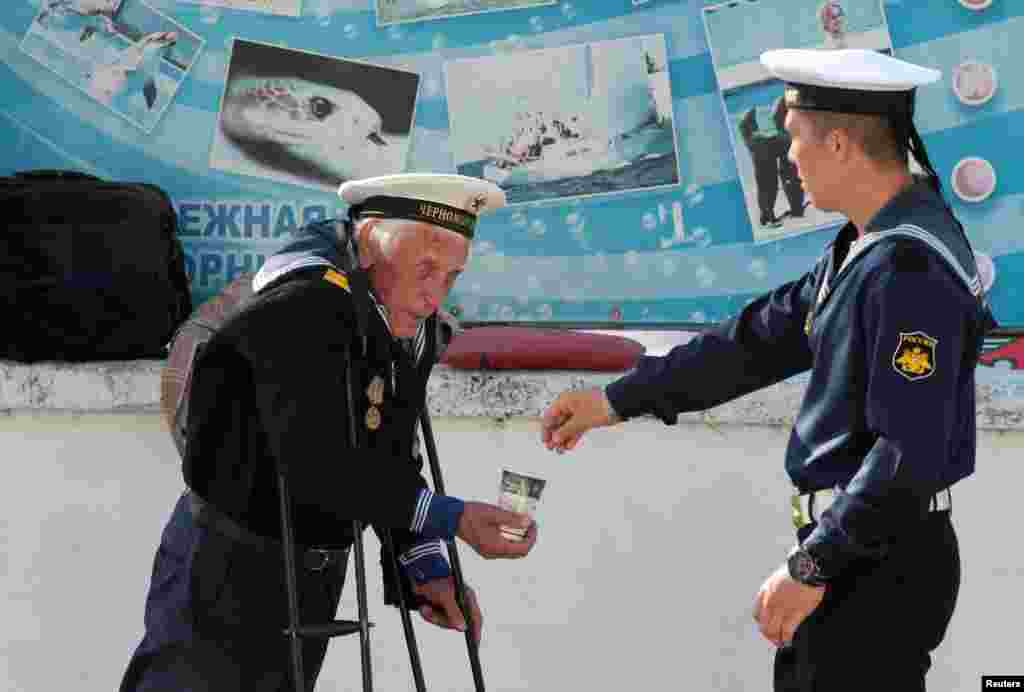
215,612
880,621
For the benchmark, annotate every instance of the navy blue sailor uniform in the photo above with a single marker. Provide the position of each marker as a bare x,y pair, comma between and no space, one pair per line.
270,388
890,328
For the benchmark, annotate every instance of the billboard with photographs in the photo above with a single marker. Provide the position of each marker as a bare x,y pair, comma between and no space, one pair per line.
631,136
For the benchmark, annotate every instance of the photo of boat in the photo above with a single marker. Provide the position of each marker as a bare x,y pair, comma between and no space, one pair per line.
574,121
546,152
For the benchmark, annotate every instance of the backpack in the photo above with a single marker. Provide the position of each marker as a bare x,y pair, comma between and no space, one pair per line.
199,328
89,269
188,342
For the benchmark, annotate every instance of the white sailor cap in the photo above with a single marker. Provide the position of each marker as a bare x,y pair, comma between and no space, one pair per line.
848,81
450,201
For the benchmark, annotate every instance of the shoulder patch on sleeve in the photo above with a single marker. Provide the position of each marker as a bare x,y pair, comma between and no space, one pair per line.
915,355
337,278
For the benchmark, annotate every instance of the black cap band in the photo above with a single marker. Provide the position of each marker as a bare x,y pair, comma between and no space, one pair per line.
859,101
458,220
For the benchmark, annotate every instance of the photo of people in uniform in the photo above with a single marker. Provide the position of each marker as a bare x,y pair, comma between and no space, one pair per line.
753,101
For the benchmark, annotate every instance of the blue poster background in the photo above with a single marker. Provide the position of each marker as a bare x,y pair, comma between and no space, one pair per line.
677,253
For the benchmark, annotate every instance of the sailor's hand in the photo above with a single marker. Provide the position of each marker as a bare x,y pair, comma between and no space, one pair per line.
782,604
480,527
571,415
442,609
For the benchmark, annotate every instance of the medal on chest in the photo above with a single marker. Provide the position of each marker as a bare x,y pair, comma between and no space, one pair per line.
375,394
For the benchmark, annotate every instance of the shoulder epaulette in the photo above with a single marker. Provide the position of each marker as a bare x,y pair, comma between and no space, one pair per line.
337,278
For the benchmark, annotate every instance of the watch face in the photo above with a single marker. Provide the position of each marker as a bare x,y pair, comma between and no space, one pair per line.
804,566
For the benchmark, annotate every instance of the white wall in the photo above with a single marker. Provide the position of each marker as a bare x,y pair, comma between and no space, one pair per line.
653,542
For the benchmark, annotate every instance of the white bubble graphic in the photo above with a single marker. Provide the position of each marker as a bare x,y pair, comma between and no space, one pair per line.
701,236
350,31
536,24
758,268
698,316
706,276
507,314
483,248
512,43
695,199
572,218
649,221
568,10
692,188
209,15
395,33
538,228
518,218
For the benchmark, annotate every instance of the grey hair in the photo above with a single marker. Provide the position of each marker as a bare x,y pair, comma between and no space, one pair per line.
384,231
387,232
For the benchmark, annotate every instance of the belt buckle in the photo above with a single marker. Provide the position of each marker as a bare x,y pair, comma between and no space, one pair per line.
800,518
324,557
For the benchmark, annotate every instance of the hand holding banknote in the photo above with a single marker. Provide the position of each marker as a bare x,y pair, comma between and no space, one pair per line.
572,414
481,526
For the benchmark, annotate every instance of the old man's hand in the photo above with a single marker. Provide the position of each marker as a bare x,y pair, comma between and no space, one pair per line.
480,527
439,606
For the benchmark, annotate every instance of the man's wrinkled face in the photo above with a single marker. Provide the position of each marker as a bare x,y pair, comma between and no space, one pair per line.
414,280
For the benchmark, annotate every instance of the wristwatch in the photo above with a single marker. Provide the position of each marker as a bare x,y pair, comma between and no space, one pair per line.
805,568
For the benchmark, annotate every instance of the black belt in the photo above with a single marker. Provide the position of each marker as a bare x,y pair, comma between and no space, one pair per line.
314,559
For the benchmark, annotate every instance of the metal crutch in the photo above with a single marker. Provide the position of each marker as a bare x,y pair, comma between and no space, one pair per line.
336,628
340,627
460,584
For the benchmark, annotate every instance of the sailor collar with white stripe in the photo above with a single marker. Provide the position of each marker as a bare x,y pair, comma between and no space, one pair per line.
891,221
